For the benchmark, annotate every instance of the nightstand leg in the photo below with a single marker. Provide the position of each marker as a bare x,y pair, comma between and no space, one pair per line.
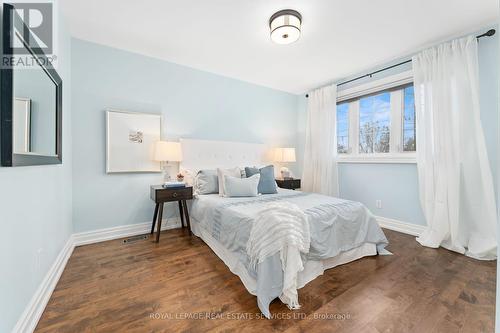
154,218
160,217
181,214
187,216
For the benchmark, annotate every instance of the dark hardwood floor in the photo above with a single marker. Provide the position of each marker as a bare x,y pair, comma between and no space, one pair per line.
174,285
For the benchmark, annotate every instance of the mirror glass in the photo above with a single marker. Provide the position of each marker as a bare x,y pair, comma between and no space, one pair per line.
34,112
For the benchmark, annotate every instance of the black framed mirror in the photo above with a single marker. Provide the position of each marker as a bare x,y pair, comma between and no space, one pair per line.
30,100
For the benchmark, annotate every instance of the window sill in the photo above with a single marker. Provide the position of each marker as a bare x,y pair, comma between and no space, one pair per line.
387,159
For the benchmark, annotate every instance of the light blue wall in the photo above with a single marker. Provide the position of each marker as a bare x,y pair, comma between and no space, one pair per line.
35,213
194,104
396,184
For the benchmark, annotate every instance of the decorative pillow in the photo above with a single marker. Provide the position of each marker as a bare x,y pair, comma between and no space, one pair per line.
234,172
241,187
267,183
206,182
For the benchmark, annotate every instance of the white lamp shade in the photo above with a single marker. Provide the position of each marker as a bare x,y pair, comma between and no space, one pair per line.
288,154
168,151
284,155
278,155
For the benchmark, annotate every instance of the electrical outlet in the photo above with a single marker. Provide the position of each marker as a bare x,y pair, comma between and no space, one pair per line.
378,204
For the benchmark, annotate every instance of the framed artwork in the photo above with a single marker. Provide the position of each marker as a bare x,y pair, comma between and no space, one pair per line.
130,141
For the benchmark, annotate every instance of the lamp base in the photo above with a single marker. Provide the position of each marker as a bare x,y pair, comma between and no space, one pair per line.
165,170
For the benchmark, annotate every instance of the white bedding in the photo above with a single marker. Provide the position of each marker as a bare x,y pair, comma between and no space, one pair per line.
341,231
312,268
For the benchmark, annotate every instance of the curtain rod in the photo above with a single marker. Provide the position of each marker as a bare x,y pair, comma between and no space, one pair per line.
488,33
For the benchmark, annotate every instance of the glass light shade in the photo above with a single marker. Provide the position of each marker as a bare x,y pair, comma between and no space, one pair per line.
285,26
166,151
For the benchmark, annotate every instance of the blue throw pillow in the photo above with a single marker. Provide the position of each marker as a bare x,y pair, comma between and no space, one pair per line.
267,183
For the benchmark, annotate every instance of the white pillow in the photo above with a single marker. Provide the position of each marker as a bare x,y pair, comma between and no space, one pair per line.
241,187
206,182
234,172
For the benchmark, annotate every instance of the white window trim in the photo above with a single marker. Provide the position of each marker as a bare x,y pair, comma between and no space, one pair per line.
400,158
375,86
353,130
396,122
396,155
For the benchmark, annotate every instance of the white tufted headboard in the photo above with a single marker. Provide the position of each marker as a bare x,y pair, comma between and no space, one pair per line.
206,154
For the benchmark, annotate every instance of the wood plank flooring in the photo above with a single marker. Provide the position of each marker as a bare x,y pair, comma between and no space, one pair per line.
175,285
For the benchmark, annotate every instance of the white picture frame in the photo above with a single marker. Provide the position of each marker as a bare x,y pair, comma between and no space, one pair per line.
130,141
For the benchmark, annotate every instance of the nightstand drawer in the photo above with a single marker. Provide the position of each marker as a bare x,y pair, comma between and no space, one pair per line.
290,184
160,194
173,195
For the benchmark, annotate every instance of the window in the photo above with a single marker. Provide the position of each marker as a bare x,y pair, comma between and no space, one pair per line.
343,128
376,121
409,124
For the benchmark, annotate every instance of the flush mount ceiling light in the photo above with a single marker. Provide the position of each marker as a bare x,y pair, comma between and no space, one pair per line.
285,26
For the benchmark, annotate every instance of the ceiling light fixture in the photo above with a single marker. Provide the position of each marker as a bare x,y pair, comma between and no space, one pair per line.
285,26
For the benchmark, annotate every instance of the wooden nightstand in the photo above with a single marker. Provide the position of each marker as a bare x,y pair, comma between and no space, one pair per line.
161,195
291,184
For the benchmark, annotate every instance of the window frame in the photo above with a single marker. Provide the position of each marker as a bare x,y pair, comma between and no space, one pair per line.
403,119
348,127
395,84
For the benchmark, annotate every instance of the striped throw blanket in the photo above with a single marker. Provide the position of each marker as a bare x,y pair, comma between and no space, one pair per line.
281,227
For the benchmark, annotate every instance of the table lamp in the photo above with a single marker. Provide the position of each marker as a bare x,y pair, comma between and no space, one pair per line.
284,155
165,152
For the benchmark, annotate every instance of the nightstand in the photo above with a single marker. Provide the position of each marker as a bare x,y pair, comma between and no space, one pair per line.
160,195
291,184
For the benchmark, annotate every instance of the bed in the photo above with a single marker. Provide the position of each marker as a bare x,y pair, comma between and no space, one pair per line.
341,231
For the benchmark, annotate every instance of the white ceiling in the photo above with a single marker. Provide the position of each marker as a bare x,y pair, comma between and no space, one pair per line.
231,37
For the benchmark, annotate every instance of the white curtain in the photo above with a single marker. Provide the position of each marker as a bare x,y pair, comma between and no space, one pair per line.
320,165
455,180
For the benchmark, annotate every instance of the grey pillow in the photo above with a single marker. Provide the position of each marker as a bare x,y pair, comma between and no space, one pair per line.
267,183
241,187
206,182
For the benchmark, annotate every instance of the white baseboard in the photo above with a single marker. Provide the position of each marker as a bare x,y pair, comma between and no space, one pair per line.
404,227
31,315
101,235
33,312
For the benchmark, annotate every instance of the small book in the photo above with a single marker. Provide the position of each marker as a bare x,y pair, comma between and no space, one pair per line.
174,184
